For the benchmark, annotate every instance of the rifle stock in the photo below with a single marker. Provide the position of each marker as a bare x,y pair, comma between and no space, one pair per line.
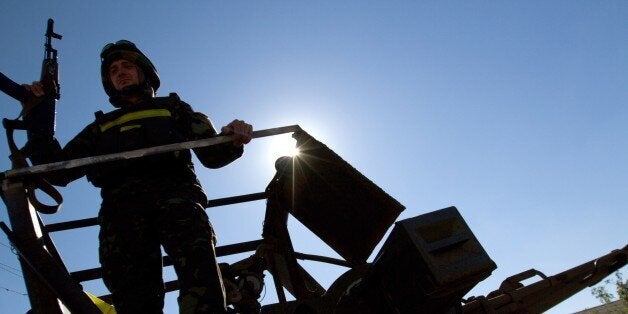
16,91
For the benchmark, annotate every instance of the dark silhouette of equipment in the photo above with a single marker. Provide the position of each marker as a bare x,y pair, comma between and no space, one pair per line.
427,264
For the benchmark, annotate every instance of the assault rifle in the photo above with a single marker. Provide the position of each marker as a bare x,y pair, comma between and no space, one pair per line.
38,112
38,118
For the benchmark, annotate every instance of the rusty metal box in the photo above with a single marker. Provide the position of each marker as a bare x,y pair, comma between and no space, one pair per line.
335,201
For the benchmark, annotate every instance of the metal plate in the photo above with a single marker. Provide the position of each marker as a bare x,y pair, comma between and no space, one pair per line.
335,201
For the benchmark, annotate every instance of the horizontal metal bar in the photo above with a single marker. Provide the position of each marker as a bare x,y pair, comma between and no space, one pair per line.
74,163
173,285
73,224
169,286
323,259
237,248
236,199
225,250
86,274
88,222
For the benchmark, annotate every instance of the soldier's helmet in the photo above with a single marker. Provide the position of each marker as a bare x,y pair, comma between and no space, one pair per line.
124,49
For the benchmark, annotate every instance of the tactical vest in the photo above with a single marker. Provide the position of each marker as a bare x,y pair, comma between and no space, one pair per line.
152,123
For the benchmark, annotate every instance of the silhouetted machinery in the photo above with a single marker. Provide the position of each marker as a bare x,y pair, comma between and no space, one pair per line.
426,265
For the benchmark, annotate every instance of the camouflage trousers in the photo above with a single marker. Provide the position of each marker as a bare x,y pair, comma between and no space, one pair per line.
130,254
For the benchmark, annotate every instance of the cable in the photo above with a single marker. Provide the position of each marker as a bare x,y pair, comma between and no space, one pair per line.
10,290
10,270
11,247
9,266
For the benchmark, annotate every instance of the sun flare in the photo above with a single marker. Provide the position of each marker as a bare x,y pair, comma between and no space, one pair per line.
282,145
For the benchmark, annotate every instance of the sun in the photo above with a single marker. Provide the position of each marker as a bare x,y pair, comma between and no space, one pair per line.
282,145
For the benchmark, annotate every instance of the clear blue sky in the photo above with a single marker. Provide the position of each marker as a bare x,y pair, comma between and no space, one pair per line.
513,111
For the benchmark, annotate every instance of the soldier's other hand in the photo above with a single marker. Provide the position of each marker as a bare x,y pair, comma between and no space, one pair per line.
37,88
242,131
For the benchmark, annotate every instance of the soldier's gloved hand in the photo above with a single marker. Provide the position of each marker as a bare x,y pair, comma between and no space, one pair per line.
37,89
242,130
39,117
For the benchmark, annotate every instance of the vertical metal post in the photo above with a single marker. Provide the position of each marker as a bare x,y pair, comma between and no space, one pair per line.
48,280
26,230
